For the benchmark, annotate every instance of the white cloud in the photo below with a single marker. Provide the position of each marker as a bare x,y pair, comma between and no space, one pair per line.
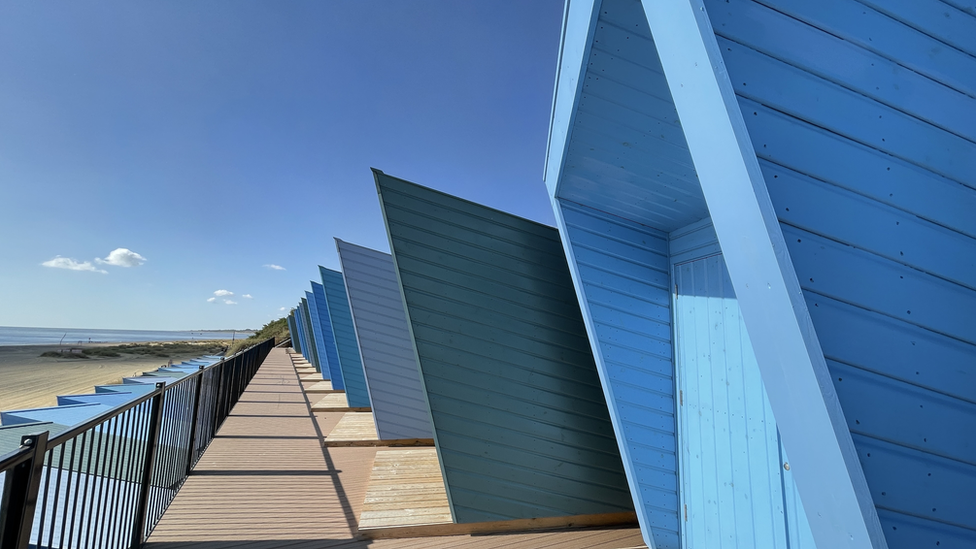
223,293
283,309
67,263
122,257
274,267
229,302
248,296
211,300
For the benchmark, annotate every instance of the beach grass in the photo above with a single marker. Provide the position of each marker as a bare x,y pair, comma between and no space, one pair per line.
163,349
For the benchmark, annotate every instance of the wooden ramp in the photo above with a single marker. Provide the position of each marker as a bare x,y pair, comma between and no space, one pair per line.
268,482
405,489
359,429
321,387
335,402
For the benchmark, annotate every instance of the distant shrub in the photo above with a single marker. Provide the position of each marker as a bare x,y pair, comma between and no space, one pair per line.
278,329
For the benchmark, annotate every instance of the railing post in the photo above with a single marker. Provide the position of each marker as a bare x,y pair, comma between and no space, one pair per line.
152,438
218,390
20,494
193,422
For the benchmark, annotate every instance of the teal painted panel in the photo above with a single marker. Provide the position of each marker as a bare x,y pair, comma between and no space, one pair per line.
520,420
350,360
293,332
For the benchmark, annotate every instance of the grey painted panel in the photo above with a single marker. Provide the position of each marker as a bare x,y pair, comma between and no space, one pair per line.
389,362
520,419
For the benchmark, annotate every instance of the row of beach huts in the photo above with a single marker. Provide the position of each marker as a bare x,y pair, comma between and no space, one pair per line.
753,324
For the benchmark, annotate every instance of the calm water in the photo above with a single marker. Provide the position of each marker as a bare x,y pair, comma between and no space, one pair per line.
51,336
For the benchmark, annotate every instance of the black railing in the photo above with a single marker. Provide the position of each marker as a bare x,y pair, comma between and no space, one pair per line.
105,483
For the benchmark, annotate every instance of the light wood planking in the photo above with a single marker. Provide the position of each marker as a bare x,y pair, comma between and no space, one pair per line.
322,387
359,429
405,489
335,402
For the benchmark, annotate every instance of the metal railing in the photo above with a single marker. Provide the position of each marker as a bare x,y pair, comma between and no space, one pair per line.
105,483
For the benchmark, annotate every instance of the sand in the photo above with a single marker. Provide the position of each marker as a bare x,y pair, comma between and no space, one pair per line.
29,381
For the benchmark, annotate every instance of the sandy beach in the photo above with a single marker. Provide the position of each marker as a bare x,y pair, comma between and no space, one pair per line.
27,380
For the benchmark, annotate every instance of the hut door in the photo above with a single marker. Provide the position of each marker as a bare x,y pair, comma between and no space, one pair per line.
735,488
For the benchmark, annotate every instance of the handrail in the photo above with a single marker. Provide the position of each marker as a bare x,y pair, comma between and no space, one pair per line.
107,481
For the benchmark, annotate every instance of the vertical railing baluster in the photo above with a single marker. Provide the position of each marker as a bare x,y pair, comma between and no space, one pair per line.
156,415
19,498
195,414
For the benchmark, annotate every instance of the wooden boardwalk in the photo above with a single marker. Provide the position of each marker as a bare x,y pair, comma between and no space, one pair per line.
267,481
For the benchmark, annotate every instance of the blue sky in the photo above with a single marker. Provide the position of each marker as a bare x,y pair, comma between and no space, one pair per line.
213,139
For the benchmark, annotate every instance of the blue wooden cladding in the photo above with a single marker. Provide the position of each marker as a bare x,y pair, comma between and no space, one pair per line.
328,349
311,346
350,361
889,255
293,331
520,422
389,361
318,346
833,146
302,332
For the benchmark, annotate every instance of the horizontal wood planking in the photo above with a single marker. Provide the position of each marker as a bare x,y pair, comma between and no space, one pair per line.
350,360
884,141
622,277
389,362
520,420
331,350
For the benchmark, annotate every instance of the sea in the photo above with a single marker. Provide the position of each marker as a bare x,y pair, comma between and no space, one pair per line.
11,335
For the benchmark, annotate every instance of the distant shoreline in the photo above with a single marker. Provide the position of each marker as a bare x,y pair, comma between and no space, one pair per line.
24,336
28,380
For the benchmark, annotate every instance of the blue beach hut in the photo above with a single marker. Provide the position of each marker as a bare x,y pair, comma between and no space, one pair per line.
327,343
347,348
767,207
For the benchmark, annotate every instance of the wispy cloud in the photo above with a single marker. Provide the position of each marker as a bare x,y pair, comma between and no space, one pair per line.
211,300
122,257
229,302
223,293
67,263
283,309
274,267
247,296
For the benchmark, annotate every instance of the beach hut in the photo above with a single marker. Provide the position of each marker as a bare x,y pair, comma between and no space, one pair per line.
293,332
300,324
312,344
347,348
520,422
767,211
396,393
321,317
